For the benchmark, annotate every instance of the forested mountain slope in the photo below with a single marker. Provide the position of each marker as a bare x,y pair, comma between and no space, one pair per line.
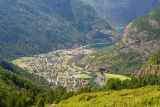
30,27
151,67
122,12
16,91
14,69
141,40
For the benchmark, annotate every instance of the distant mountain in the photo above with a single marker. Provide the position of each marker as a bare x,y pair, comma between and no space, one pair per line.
141,40
122,12
151,67
30,27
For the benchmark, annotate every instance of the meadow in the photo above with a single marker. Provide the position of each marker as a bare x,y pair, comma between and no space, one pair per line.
145,96
121,77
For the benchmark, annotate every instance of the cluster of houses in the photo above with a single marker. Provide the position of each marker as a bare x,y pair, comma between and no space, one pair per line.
50,66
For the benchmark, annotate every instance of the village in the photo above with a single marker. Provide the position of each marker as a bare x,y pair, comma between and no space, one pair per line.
59,67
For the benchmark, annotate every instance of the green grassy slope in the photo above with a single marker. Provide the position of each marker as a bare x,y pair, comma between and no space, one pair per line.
146,96
141,40
29,27
121,77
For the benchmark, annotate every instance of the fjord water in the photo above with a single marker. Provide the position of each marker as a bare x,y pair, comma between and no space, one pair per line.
103,45
120,30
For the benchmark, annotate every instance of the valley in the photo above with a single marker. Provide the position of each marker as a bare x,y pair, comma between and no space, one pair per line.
79,53
60,68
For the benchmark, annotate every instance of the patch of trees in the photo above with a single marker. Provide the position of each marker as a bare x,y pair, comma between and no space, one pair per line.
17,91
117,84
156,59
15,69
53,96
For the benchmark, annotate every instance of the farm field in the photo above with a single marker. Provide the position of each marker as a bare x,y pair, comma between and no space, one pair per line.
121,77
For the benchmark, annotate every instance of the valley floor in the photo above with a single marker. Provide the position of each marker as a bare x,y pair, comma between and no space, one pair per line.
59,68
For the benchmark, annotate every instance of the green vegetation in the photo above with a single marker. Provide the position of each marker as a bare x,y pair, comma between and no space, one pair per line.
146,26
52,96
86,76
156,59
65,62
75,66
13,68
151,67
127,56
26,93
147,96
118,59
121,77
18,61
103,96
60,94
19,88
29,28
16,91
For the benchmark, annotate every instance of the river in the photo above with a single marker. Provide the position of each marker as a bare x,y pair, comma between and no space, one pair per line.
100,79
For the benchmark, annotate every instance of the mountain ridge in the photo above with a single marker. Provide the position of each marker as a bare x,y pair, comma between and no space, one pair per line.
33,27
122,12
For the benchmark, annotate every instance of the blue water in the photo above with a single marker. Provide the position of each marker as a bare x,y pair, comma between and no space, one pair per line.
100,46
121,30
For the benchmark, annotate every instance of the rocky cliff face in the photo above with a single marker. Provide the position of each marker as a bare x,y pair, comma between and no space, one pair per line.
143,34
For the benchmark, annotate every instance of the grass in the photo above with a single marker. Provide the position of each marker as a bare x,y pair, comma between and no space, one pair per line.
48,105
85,76
65,62
121,77
142,97
18,61
75,66
61,74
